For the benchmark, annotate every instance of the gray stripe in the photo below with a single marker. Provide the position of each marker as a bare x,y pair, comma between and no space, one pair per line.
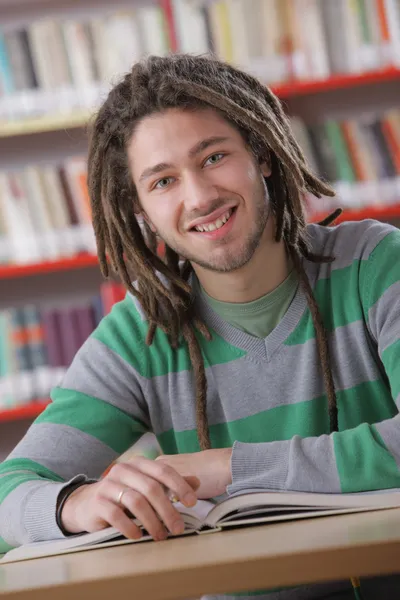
100,372
299,464
352,364
347,242
389,430
28,513
64,450
384,317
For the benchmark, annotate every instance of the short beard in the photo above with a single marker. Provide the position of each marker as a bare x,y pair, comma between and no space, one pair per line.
246,252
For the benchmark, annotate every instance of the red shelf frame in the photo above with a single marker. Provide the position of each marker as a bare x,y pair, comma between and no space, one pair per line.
28,411
368,212
77,262
298,88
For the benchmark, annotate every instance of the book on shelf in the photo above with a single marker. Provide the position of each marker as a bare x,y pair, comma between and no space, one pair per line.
45,209
37,344
359,156
66,63
45,212
244,509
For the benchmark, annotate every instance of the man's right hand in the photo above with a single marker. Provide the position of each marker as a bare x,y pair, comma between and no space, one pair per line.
146,484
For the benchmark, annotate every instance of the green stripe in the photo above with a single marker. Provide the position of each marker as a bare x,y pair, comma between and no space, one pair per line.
25,464
338,304
11,479
94,417
391,361
364,463
369,402
124,326
4,547
382,268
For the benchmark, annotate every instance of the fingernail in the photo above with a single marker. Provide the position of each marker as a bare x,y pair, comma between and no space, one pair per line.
190,499
178,527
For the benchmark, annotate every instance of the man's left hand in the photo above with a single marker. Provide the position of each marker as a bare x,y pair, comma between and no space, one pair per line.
211,467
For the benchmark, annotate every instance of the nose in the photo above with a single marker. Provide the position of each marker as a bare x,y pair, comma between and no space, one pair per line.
199,194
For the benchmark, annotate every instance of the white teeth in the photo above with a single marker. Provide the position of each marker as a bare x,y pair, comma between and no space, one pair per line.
217,224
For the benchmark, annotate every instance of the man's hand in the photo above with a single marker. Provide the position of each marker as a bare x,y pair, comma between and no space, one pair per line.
146,485
211,467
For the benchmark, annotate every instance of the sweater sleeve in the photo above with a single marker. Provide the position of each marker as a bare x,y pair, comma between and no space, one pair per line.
96,414
366,457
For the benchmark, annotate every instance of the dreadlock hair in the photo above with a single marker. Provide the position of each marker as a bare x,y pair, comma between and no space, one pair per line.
183,81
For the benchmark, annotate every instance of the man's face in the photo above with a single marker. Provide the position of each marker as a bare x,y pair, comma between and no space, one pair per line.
200,187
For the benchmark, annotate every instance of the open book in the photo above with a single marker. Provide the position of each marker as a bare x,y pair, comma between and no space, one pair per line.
210,516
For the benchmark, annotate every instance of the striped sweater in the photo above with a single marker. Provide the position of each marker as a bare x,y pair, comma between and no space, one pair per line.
265,396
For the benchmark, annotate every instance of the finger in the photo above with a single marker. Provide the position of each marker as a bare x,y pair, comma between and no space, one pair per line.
153,491
140,508
169,477
193,481
116,517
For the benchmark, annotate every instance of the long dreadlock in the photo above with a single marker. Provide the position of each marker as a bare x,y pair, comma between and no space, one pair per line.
163,291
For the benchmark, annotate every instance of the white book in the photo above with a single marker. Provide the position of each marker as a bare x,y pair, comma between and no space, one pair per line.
40,214
243,509
370,52
273,66
237,23
80,59
313,39
392,8
57,208
151,23
191,27
24,246
124,43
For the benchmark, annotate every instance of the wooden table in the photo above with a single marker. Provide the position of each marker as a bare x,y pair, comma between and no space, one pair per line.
266,556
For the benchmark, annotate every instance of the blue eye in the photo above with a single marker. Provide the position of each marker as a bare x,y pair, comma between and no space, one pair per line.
163,183
214,158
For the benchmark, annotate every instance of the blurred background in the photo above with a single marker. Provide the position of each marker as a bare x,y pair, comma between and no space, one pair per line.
334,63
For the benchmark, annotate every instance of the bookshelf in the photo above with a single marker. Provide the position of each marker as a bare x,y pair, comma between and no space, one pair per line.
290,89
66,264
44,124
28,411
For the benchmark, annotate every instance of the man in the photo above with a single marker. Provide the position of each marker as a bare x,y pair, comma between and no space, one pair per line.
267,358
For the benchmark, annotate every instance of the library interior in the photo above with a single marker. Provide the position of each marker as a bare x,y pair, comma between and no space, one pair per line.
334,68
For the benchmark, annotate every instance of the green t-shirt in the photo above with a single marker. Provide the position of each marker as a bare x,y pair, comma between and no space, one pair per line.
260,316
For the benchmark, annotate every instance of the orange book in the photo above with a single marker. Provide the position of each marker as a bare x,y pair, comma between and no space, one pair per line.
392,138
354,150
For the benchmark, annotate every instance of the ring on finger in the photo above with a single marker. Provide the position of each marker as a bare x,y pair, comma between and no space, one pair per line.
120,495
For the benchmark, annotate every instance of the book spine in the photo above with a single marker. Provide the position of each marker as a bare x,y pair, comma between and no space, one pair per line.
42,374
70,340
167,8
50,319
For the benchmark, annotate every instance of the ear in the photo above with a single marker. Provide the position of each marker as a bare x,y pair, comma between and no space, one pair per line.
265,168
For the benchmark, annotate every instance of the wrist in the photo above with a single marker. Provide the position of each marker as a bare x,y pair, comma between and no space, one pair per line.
67,510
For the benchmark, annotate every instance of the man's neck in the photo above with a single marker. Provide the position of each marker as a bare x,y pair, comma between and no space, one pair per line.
266,270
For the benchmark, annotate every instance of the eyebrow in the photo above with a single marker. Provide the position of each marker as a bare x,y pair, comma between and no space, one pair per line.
197,149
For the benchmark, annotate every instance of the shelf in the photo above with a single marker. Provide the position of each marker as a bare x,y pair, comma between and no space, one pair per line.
368,212
283,90
28,411
77,262
43,124
298,88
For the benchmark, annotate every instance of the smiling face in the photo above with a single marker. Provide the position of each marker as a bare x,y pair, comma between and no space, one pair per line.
200,187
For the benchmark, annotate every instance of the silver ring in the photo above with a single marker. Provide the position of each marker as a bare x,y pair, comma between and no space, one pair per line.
122,492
